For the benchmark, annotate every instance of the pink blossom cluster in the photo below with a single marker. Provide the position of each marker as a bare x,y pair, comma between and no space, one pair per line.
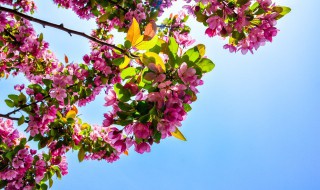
81,7
175,26
249,25
20,161
25,5
24,48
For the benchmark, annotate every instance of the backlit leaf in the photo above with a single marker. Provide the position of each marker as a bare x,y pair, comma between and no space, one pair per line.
178,135
150,31
71,114
151,57
125,62
133,32
146,45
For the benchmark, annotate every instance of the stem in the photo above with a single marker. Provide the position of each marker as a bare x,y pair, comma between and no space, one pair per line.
61,27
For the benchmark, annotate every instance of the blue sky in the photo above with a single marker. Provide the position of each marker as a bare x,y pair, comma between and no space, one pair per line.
255,124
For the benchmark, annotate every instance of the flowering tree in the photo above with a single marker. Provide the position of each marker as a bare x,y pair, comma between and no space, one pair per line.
150,80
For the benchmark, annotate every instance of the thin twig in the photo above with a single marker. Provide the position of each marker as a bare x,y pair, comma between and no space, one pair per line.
61,27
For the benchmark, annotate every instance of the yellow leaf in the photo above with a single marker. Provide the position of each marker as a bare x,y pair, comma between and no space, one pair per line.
85,126
71,114
151,57
125,62
138,41
150,31
201,49
133,32
126,152
178,135
146,45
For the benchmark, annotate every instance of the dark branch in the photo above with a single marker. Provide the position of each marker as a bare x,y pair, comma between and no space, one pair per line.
25,106
61,27
8,117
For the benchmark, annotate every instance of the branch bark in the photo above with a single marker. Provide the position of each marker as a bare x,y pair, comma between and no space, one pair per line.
61,27
8,117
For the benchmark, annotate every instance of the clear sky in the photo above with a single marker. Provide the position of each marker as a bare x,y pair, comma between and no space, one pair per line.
255,126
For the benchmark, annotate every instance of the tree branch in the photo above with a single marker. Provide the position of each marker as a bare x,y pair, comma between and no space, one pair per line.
8,117
25,106
61,27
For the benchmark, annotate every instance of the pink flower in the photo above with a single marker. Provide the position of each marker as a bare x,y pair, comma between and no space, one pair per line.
183,39
231,48
58,93
186,74
156,73
19,87
63,165
17,163
120,145
142,147
86,59
141,131
108,119
10,175
111,98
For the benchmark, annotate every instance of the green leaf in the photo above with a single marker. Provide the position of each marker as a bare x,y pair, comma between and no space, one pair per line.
173,46
50,183
237,35
282,11
9,103
22,98
125,106
13,97
118,61
3,184
9,155
44,186
254,6
81,154
58,174
128,72
192,54
40,37
47,82
151,57
187,107
206,65
21,120
242,2
143,107
145,118
122,93
104,17
146,45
